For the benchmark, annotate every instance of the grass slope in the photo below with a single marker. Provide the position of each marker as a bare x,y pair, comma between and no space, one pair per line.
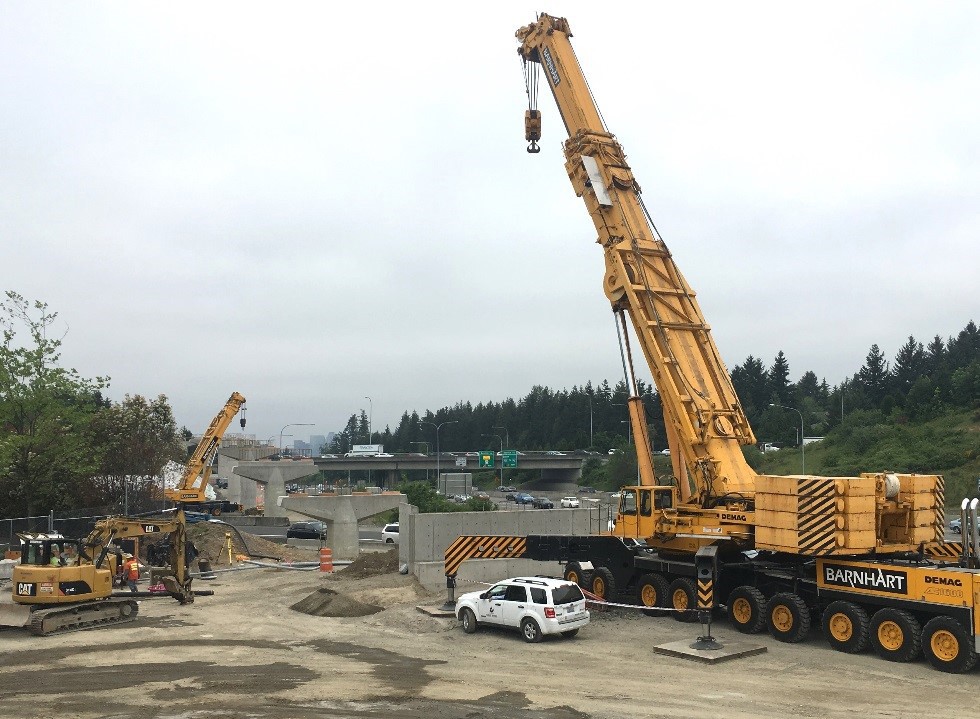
870,442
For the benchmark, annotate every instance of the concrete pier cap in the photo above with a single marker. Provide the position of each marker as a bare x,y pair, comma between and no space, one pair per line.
275,476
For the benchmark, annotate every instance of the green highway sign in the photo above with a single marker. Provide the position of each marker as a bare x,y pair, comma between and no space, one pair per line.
509,459
486,459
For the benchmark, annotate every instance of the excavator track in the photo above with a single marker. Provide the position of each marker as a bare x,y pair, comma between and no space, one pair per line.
88,615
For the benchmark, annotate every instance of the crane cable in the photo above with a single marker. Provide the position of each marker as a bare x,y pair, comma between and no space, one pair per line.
531,82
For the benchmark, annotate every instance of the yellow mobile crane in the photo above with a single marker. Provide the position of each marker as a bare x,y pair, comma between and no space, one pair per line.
191,491
866,555
68,583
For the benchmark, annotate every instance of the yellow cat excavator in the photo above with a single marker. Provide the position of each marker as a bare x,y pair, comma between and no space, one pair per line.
67,584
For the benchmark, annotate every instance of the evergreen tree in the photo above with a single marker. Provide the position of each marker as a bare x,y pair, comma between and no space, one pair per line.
778,378
910,364
874,377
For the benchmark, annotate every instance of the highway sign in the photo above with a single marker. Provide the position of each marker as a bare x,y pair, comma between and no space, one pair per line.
486,459
509,458
461,461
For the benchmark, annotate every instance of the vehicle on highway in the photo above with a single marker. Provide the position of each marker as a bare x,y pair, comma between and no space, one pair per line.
389,535
555,453
481,495
542,503
384,454
615,451
328,456
587,490
665,452
569,502
535,606
522,498
955,525
507,489
511,496
307,530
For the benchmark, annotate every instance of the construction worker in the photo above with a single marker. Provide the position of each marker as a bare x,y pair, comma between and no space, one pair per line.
68,557
55,560
131,571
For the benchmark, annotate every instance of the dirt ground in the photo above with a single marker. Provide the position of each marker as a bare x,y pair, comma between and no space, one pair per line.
245,653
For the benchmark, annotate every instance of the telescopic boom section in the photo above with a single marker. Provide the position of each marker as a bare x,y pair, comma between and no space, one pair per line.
198,470
701,410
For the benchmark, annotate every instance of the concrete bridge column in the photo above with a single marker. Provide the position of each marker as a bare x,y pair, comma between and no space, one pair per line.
391,480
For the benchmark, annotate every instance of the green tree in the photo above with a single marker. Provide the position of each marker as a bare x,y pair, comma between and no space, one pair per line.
874,376
910,364
47,452
138,437
778,378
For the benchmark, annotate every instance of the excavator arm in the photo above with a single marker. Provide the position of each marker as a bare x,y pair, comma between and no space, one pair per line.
705,423
191,489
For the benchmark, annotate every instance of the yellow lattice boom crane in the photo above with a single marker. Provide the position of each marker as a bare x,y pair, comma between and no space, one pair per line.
191,490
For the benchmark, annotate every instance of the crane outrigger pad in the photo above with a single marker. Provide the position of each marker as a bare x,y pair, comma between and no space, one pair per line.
730,650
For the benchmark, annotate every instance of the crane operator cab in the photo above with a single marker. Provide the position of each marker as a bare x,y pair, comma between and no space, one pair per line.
641,507
53,570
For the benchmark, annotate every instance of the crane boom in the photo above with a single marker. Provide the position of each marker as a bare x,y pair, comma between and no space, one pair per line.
701,409
191,488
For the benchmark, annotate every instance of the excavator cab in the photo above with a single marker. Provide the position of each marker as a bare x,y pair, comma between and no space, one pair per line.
54,570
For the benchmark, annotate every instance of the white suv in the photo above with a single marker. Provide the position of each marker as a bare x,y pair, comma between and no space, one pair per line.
389,535
569,502
534,605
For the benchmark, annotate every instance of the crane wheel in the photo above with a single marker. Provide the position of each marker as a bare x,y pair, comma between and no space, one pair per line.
896,635
747,609
652,591
788,617
603,584
574,573
680,595
846,627
948,646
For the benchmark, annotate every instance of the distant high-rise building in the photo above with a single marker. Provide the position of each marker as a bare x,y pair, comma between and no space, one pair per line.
316,443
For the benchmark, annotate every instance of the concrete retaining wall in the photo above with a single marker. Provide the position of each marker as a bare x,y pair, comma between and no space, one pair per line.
256,521
423,539
474,573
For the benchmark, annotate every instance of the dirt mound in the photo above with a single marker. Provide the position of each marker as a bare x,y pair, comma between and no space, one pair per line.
209,538
328,603
372,564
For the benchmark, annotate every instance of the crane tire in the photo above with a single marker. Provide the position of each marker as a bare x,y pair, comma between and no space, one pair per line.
846,627
788,617
747,609
896,635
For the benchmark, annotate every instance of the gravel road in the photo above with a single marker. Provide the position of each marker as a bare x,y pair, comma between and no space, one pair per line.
244,653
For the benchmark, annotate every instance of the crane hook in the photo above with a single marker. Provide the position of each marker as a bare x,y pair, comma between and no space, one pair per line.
533,148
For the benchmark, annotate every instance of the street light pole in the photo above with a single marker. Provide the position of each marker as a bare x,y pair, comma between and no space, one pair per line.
292,424
501,455
591,442
438,448
370,419
506,434
802,440
426,454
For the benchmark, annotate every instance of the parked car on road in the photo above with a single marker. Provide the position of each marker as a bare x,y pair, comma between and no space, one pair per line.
569,502
522,498
389,535
535,606
307,530
542,503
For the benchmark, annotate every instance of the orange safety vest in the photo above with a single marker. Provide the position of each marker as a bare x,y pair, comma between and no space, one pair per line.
132,569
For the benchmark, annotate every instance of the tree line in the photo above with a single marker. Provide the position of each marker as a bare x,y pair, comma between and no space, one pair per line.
922,382
63,444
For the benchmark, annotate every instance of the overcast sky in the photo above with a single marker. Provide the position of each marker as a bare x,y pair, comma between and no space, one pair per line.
309,204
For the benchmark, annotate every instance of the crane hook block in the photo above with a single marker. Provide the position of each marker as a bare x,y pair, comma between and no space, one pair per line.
532,129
